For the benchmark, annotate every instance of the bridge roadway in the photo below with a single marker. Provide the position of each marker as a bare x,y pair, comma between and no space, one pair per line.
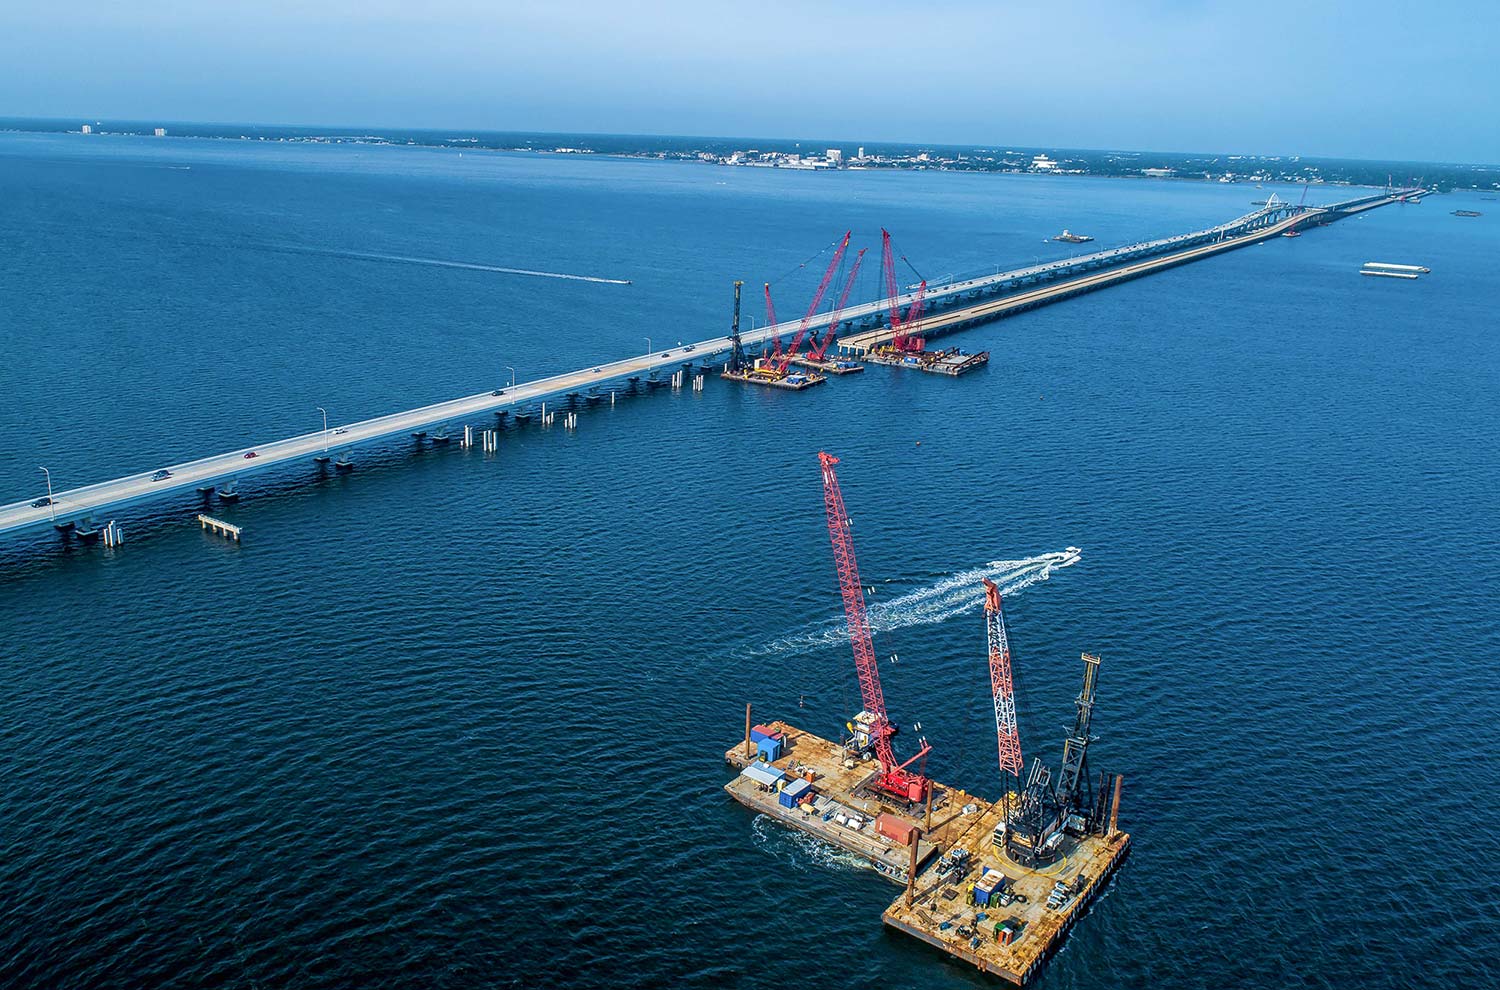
93,502
994,309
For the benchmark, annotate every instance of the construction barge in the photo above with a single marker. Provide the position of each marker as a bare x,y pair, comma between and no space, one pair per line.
997,884
952,362
973,887
830,366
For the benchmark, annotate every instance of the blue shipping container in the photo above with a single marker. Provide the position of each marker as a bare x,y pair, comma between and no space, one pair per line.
793,792
770,749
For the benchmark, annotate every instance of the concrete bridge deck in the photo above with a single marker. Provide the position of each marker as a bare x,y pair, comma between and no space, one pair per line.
1063,278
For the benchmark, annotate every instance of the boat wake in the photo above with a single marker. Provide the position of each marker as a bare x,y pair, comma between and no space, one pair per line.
801,850
944,599
402,259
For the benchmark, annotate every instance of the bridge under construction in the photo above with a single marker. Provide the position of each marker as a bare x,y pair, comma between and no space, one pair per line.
859,329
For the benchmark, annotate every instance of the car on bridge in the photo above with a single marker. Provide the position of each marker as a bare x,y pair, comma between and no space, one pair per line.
42,502
161,475
498,391
250,453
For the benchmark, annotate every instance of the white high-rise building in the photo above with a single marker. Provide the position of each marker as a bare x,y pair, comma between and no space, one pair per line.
836,156
86,129
861,152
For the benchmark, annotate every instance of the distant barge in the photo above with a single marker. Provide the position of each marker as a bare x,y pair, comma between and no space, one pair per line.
765,372
1004,918
830,366
952,362
1068,237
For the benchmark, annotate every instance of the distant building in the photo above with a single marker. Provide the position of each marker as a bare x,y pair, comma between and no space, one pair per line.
1043,164
1159,173
86,129
861,153
160,132
835,156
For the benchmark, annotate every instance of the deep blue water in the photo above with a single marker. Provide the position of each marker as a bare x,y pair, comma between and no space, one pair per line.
454,721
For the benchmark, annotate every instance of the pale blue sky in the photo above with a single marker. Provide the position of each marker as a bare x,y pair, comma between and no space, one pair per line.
1368,80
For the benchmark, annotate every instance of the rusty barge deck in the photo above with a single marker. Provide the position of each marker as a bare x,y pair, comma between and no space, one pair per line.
938,906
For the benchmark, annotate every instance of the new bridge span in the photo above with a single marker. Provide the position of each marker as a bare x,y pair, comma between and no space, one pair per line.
950,306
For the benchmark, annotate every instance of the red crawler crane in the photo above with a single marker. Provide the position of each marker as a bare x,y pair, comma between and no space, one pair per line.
871,727
771,320
831,332
817,301
901,341
1004,690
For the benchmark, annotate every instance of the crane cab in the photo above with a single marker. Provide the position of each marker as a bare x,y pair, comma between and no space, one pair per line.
862,733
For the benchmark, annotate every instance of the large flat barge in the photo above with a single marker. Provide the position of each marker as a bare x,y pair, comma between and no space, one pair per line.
838,805
940,851
952,362
1011,931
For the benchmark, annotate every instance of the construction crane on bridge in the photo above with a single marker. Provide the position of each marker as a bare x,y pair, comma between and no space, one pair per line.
871,729
812,310
901,341
830,333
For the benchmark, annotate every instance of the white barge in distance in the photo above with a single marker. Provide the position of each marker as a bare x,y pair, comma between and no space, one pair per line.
1381,266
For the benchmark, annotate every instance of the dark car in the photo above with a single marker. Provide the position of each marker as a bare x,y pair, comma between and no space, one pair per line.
666,353
249,454
161,475
688,347
42,502
498,391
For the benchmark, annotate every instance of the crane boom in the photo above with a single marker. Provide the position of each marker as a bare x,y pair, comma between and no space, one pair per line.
899,339
888,269
1003,687
771,318
831,332
833,266
893,777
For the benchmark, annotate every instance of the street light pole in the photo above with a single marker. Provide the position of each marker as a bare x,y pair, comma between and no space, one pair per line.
512,375
50,507
325,427
648,346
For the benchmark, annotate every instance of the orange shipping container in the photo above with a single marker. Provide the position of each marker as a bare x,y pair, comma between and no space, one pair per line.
896,830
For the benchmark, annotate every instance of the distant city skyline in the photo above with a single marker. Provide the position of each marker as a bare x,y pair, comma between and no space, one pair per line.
1373,82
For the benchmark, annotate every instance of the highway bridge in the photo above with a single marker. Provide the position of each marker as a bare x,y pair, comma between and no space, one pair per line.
952,305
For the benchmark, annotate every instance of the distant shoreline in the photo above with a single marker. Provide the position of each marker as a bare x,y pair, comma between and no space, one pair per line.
790,155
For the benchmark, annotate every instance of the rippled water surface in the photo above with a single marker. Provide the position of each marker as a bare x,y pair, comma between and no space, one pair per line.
457,720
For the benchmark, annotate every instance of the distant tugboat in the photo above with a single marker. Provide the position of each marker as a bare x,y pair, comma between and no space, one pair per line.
1068,237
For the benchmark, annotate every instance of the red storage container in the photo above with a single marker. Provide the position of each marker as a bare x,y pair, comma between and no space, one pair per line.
896,830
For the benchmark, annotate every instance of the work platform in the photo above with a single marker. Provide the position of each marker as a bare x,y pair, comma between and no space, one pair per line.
1009,940
841,366
794,382
839,785
952,362
1010,933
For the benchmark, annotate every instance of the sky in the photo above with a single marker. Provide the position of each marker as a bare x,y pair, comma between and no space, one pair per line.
1377,79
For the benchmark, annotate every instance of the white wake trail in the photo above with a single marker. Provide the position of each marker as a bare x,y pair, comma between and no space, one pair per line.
403,259
944,599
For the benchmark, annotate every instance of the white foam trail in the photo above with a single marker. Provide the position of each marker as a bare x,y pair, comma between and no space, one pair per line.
800,848
940,601
443,263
